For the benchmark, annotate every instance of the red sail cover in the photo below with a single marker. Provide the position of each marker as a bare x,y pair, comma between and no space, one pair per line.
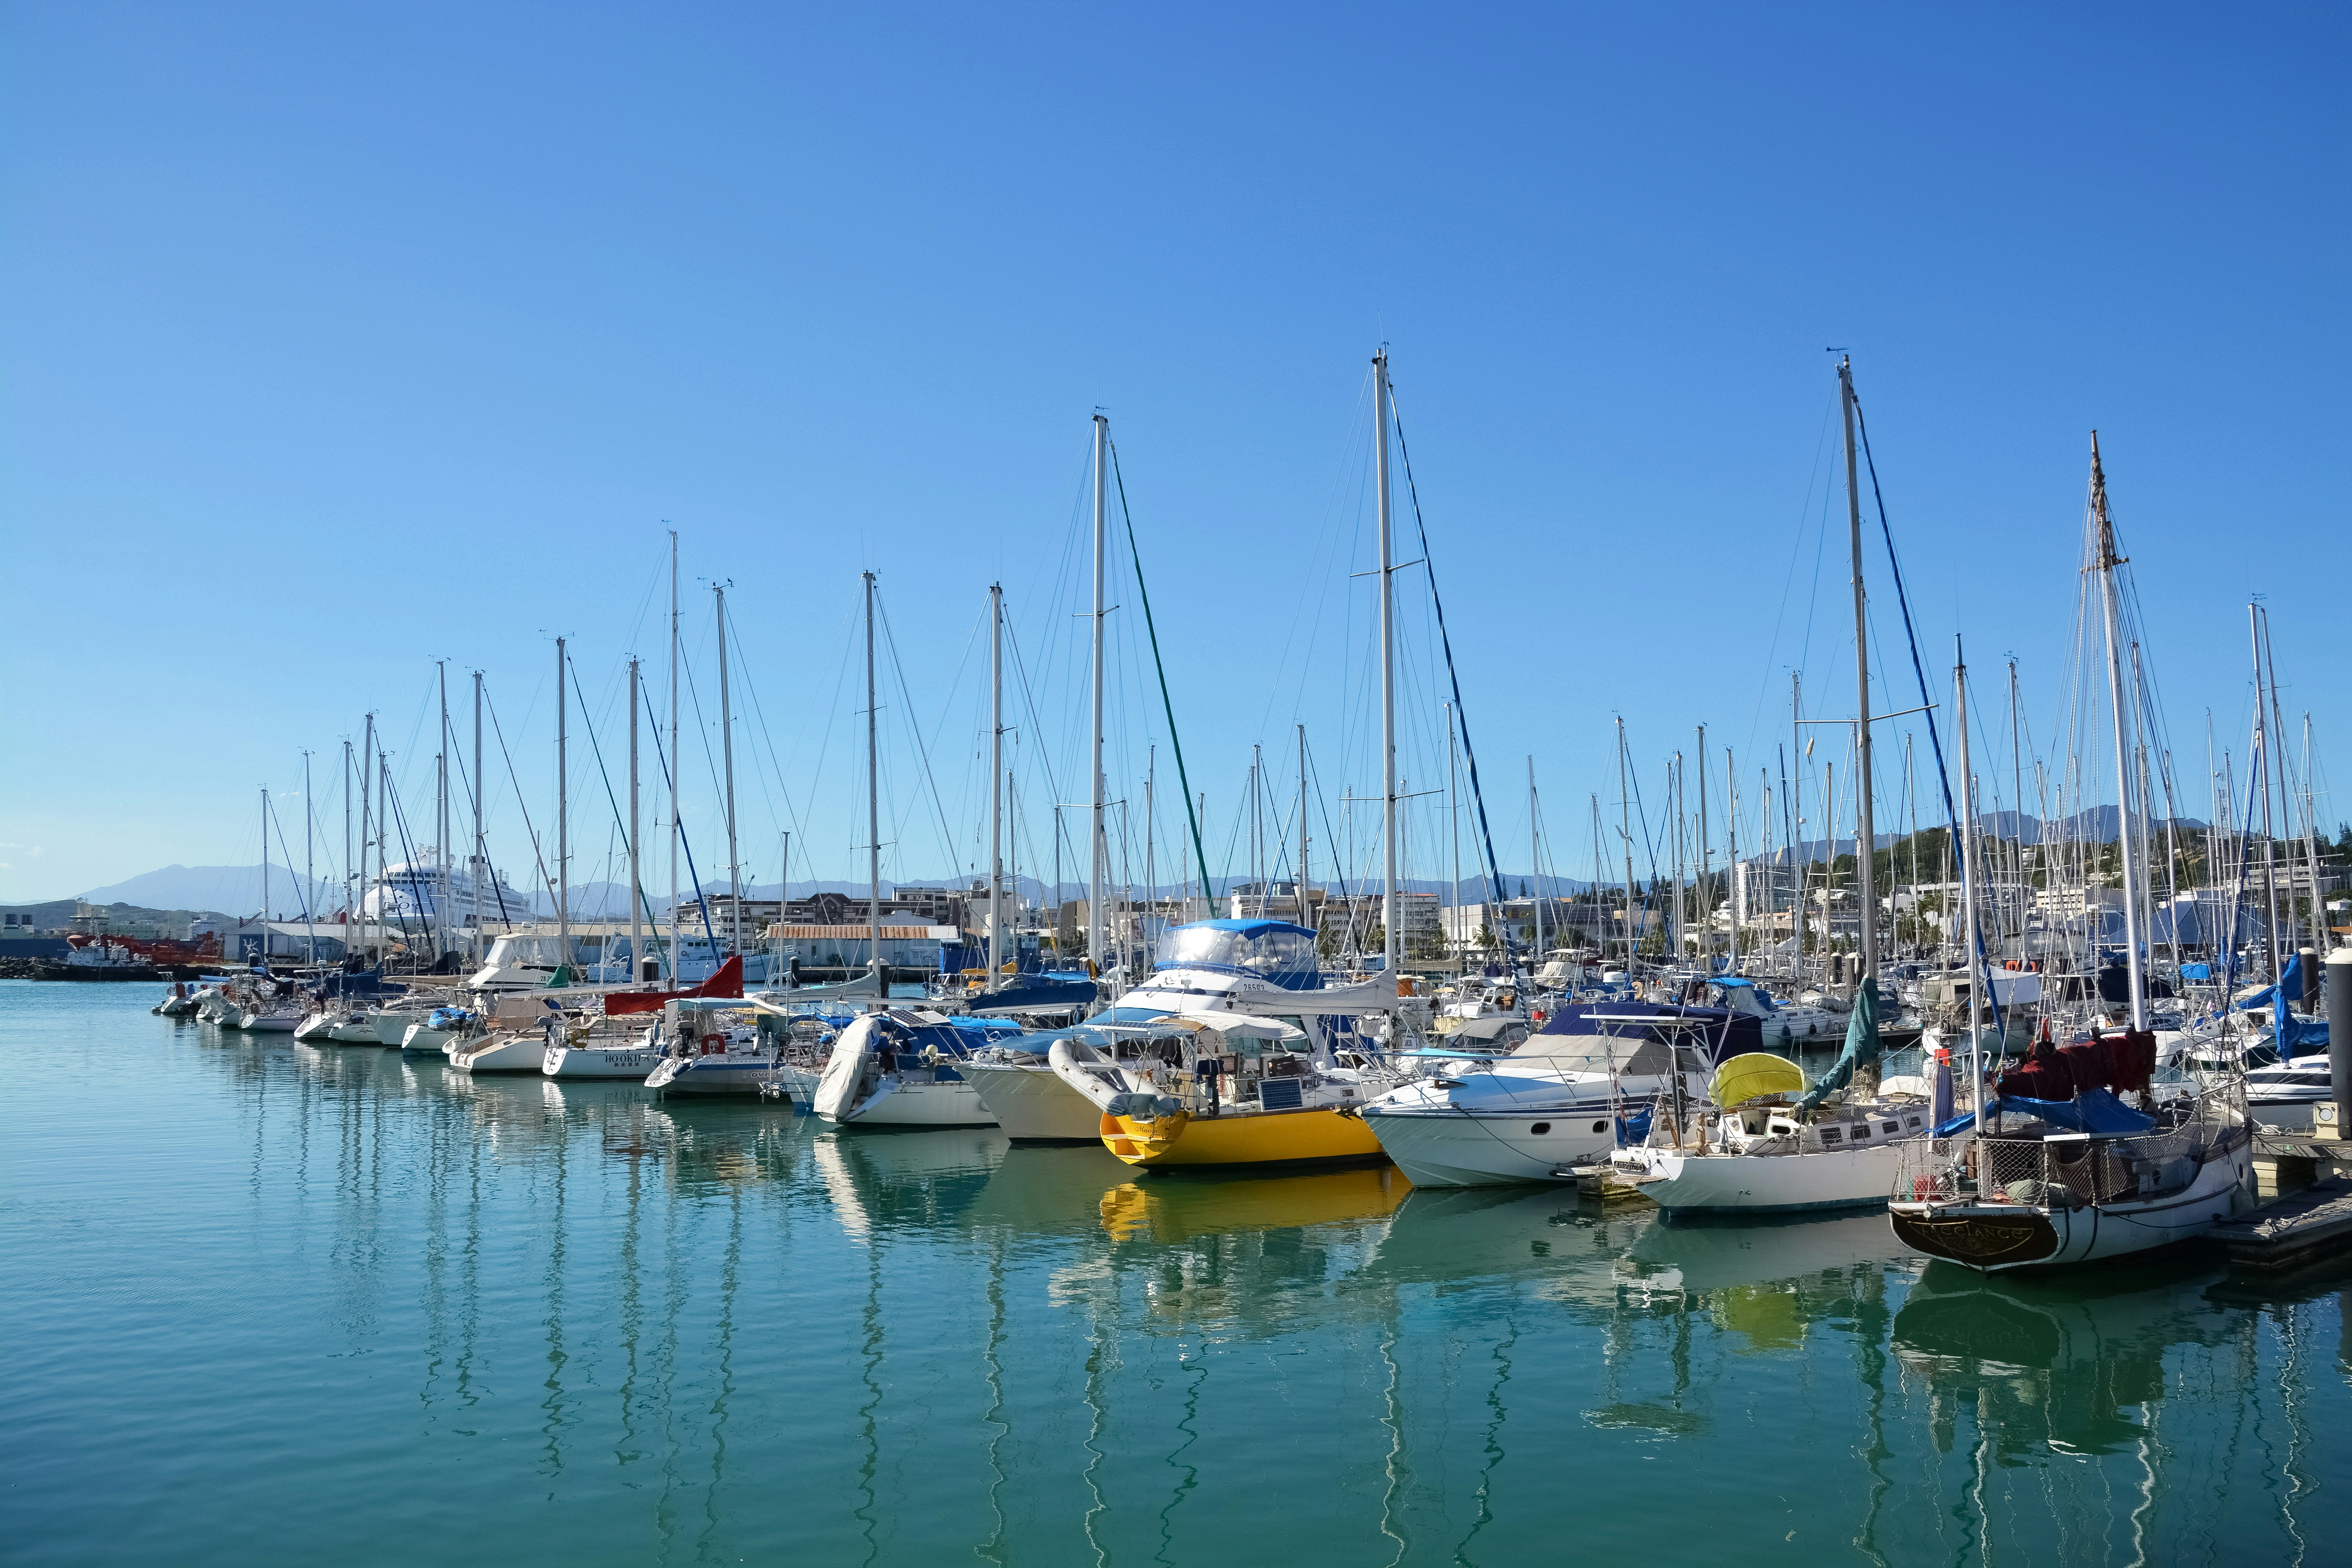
728,982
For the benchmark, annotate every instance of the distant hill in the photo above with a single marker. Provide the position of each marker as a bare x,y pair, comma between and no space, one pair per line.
235,888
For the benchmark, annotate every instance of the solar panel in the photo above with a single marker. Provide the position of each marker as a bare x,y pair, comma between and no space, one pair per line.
1281,1094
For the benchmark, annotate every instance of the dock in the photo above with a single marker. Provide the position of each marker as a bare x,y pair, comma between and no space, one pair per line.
2300,1228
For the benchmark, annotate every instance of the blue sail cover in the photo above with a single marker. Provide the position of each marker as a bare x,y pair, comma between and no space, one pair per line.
1027,992
2094,1110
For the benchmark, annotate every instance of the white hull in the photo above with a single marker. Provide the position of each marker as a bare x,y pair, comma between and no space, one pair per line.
600,1061
1771,1184
914,1099
269,1023
719,1073
353,1029
390,1025
423,1040
1438,1148
1031,1103
503,1053
799,1083
314,1030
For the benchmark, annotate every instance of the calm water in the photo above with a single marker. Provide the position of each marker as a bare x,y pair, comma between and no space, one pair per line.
270,1304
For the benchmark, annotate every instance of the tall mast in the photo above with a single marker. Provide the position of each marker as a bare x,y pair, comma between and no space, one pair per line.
562,810
2261,764
1705,857
1674,815
264,877
676,762
1865,849
1454,822
996,783
349,895
1980,975
1730,857
481,858
1095,770
310,916
1303,919
1388,665
441,815
636,843
2108,562
1535,853
727,747
873,804
1626,832
367,823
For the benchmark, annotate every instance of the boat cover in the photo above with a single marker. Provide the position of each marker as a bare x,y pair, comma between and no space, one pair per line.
1745,1078
1862,1047
1029,993
2093,1111
727,982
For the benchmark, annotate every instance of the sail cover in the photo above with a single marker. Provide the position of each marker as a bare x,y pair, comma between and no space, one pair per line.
727,982
1861,1046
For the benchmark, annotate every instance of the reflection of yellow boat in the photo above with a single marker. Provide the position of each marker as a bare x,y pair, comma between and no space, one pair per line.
1261,1138
1179,1211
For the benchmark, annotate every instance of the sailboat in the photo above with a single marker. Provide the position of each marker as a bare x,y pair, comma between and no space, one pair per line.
1243,1086
2084,1177
1765,1147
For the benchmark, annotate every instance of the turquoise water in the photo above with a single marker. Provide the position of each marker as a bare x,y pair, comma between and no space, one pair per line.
269,1304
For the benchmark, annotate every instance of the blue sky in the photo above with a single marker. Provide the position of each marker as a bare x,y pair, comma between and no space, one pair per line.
346,340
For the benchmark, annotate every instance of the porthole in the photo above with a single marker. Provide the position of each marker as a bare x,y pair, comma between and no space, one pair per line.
1540,1129
1890,1127
1910,1122
1601,1127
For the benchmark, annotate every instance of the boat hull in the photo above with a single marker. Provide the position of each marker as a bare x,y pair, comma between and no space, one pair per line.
1263,1138
1032,1104
1771,1183
515,1053
600,1061
1439,1148
912,1099
2001,1238
715,1074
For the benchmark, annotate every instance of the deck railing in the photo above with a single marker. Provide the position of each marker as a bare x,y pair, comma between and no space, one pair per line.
2073,1172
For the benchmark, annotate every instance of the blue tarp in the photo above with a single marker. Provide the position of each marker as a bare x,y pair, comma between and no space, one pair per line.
1023,992
2196,972
2093,1111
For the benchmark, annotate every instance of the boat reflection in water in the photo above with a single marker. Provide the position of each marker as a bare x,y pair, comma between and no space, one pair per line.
1177,1211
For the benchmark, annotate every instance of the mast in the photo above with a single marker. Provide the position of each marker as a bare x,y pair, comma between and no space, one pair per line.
310,920
1674,815
264,877
1094,772
367,821
2261,764
1388,664
562,811
441,815
1866,848
636,905
1453,821
2107,562
1978,975
727,747
1625,832
1730,858
1535,852
996,783
349,900
481,858
1303,919
1705,857
873,806
677,763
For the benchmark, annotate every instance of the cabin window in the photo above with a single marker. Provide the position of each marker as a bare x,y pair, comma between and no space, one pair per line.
1890,1127
1601,1127
1910,1122
1540,1129
1831,1135
1861,1130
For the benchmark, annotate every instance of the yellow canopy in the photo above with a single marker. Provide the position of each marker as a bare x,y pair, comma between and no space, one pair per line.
1754,1075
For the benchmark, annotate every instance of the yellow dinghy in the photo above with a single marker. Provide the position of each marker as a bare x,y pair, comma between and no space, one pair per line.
1225,1090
